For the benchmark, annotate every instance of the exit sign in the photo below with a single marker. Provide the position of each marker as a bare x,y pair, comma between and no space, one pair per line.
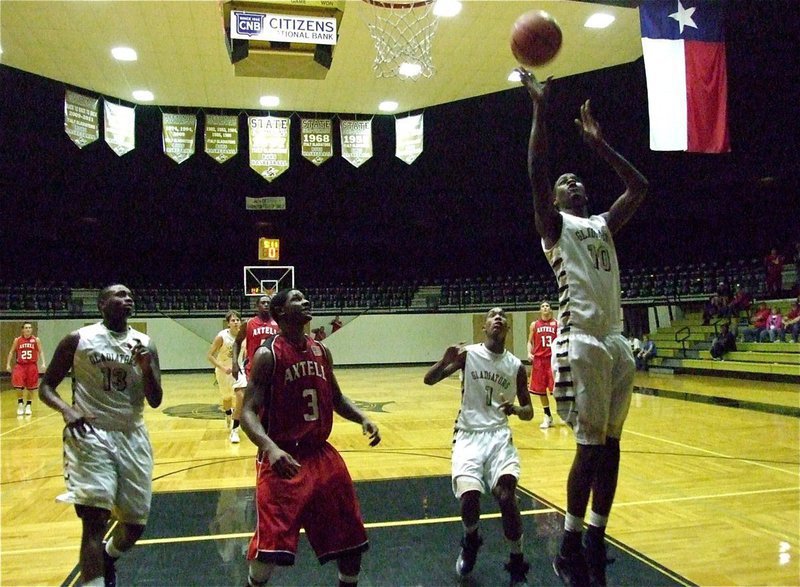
269,249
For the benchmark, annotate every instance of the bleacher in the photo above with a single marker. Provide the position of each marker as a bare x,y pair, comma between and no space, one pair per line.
684,347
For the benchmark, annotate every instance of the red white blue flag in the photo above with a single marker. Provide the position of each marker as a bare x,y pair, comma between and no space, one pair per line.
683,42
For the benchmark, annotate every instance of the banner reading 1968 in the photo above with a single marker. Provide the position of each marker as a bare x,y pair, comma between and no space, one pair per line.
317,139
269,145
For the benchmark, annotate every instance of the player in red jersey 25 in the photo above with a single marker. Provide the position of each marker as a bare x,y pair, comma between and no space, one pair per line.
26,350
288,409
540,339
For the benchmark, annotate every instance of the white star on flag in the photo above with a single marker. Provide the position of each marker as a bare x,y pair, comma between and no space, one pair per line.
683,16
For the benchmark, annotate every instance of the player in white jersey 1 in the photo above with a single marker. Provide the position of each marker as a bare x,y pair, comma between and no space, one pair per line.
220,354
592,361
484,457
108,460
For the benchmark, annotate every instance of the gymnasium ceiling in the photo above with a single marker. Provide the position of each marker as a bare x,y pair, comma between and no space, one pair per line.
182,57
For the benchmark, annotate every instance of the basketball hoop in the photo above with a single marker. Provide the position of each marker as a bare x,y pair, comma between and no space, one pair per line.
402,31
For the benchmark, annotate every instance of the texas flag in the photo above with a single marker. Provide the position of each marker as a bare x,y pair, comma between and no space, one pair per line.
683,42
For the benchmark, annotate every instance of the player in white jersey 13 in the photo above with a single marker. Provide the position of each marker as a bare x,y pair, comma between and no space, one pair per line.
592,361
484,456
108,460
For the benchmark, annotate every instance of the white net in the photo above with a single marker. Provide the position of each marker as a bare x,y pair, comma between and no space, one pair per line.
402,32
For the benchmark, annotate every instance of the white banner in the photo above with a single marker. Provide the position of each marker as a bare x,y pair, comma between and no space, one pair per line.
409,138
316,139
285,28
221,137
269,145
81,120
177,133
356,141
120,128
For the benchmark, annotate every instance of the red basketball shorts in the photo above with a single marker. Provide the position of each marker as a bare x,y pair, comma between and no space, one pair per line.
320,498
26,375
541,376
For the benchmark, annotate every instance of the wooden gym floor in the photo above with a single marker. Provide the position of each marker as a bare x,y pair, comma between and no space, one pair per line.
709,490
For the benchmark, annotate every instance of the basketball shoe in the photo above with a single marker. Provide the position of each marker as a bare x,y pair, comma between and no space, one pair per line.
470,544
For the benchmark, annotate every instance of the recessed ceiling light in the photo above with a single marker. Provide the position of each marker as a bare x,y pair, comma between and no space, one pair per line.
143,95
269,101
387,106
124,54
514,76
599,20
409,69
447,8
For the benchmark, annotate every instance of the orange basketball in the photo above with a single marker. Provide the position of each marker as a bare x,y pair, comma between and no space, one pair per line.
535,38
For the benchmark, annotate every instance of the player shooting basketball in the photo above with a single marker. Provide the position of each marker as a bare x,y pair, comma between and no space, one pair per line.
592,361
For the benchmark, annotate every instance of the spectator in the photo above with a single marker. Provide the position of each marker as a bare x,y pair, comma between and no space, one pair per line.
796,261
636,345
319,333
724,291
647,352
773,329
741,302
336,324
774,266
792,322
715,307
725,342
757,324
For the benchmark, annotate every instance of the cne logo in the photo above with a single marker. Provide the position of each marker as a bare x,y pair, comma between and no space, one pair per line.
249,24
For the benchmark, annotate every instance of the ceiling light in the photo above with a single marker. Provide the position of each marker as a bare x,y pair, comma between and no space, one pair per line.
409,69
514,76
269,101
447,8
599,20
124,54
143,95
387,106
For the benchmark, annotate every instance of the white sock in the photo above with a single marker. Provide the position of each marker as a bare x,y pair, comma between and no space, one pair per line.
573,523
597,520
112,550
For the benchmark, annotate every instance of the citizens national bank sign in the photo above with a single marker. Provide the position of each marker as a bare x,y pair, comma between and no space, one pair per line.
285,28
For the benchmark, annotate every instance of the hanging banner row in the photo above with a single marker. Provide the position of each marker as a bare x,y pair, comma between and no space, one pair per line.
268,142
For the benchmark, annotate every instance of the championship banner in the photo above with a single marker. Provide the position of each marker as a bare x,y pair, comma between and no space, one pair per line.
317,139
221,137
81,121
178,132
269,145
356,141
120,128
409,138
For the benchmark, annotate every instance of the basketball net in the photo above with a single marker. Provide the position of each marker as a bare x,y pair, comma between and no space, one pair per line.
402,32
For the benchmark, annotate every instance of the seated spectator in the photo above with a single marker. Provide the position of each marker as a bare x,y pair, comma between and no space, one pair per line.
724,292
636,345
714,308
319,333
758,322
773,329
774,266
725,342
792,322
644,355
741,303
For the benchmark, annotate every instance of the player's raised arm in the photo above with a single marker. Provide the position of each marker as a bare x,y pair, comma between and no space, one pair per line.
453,360
635,183
547,218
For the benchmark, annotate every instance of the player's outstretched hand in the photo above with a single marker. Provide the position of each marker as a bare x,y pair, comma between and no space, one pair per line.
78,423
452,352
589,127
370,429
283,463
538,90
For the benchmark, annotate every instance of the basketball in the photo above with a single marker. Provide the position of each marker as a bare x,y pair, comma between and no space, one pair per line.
535,38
